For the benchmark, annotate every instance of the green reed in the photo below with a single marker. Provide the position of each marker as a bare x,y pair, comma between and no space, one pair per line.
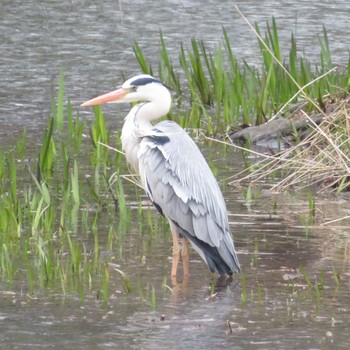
46,207
231,92
141,59
60,102
48,152
166,68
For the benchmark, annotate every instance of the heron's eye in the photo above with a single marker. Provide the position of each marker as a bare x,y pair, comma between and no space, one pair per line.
133,88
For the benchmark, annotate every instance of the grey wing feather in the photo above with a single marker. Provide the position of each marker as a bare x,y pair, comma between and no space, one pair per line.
177,179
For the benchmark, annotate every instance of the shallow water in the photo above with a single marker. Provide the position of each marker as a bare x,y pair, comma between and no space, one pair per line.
283,317
270,305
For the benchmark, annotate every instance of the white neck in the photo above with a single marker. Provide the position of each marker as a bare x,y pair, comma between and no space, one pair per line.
138,122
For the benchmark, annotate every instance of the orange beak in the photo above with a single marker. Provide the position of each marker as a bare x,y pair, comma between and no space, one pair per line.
110,97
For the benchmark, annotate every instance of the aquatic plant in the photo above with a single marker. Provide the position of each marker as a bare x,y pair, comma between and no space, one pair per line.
233,93
244,289
320,159
46,217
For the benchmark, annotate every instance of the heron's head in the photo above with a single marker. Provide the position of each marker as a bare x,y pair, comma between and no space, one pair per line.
140,88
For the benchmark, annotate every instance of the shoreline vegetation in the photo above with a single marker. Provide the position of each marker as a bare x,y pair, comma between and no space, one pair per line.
298,111
74,181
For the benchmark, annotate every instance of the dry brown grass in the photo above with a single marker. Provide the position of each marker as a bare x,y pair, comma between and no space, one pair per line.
322,158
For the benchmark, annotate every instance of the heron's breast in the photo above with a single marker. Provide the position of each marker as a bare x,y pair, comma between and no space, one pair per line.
131,146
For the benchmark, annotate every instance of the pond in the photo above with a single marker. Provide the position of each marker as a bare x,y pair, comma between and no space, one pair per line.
92,42
293,292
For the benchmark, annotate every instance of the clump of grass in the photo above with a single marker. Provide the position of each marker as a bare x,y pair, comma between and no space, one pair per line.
226,93
321,159
47,211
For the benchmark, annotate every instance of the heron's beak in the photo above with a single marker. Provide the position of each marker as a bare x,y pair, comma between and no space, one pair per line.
110,97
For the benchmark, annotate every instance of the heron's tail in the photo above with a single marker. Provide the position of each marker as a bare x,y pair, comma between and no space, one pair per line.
226,260
222,259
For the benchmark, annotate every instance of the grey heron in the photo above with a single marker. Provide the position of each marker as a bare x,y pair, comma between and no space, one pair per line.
175,176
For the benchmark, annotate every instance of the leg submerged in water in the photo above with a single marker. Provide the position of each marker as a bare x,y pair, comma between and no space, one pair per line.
180,248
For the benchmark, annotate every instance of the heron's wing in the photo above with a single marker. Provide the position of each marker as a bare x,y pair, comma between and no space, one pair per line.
180,183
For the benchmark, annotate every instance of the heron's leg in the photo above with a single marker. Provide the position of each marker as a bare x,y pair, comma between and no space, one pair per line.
185,257
176,250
